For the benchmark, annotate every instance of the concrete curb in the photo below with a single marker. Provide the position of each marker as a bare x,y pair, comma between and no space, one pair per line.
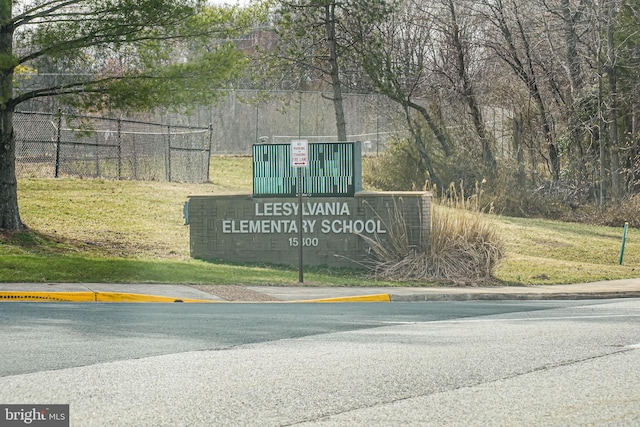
513,297
9,296
122,293
359,298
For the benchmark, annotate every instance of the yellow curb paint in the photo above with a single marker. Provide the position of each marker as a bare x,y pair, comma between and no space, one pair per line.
127,297
9,296
360,298
47,296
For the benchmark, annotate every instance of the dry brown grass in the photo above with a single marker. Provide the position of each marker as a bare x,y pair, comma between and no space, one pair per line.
464,248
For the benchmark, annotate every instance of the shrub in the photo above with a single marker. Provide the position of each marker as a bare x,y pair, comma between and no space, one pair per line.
614,214
399,168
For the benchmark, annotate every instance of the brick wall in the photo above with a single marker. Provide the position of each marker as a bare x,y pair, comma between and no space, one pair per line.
243,228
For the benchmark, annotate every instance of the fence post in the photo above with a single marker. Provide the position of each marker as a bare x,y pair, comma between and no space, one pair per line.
120,147
210,149
134,154
377,125
168,162
58,137
97,156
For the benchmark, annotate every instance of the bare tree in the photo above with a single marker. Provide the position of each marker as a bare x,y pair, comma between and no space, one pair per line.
512,42
396,57
457,63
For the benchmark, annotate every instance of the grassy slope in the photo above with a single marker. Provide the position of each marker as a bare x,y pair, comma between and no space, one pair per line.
551,252
122,231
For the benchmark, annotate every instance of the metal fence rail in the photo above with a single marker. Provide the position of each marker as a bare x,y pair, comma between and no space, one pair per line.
53,145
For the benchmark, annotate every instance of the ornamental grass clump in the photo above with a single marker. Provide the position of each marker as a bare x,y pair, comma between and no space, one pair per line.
464,248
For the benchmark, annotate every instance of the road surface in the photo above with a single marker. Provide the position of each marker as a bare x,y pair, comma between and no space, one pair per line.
462,363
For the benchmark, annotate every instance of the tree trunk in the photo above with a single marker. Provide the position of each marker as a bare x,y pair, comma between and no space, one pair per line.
519,149
330,23
611,69
437,131
569,22
531,81
601,135
571,38
422,149
9,214
520,57
552,148
468,93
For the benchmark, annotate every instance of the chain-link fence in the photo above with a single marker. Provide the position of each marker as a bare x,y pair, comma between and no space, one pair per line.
245,117
53,145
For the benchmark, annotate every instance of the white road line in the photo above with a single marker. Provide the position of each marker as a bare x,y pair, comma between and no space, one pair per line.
391,322
538,319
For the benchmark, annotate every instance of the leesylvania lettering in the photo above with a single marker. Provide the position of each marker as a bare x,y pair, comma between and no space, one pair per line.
272,220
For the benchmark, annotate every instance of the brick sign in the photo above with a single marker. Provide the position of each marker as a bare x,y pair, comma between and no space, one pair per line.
266,230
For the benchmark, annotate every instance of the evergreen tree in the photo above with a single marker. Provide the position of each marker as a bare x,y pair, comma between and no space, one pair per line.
165,53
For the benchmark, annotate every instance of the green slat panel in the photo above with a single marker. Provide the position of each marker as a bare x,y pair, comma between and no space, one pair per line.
330,170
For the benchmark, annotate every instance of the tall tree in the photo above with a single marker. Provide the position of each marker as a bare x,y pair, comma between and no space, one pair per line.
316,39
457,36
87,33
628,38
611,69
514,44
309,42
396,57
611,44
564,22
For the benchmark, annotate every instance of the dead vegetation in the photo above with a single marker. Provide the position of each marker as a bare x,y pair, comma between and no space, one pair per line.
464,248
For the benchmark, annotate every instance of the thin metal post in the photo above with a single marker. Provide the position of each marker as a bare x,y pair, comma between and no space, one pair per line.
624,241
119,147
134,154
168,161
300,234
377,125
300,115
58,138
257,121
210,148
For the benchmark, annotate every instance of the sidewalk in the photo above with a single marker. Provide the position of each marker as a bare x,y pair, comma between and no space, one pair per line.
102,292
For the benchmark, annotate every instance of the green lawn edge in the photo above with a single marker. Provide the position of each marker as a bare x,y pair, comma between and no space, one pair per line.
109,231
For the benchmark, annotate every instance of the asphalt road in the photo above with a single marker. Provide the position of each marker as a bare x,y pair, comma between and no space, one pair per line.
454,363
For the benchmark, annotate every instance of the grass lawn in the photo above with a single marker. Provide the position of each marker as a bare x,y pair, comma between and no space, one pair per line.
94,230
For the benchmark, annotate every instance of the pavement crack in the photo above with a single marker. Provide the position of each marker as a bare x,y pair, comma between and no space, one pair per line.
542,368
